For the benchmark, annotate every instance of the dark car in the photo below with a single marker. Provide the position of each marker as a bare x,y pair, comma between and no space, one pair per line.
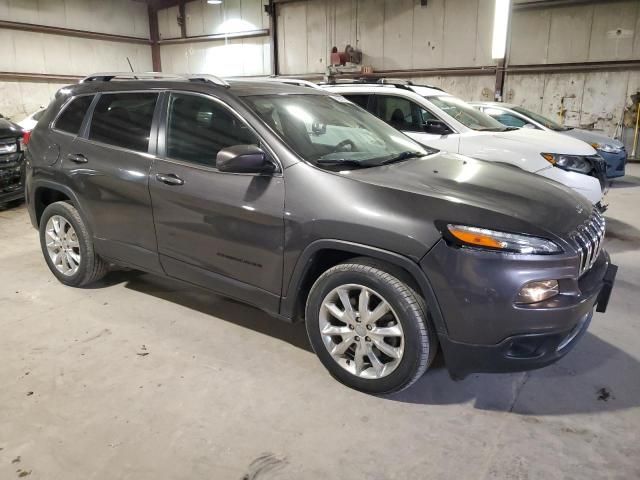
306,206
11,162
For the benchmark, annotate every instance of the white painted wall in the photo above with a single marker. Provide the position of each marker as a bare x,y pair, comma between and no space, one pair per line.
28,52
227,57
594,32
121,17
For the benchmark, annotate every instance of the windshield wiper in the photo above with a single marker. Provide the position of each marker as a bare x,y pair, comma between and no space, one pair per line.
339,161
402,156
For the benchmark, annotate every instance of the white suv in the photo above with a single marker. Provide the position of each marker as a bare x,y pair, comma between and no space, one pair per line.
437,119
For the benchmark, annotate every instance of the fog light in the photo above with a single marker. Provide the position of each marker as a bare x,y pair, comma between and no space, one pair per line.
534,292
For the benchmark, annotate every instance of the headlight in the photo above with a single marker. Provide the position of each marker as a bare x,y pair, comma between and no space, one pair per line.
8,147
506,242
572,163
606,147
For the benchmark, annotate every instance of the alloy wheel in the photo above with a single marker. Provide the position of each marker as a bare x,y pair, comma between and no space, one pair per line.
62,245
361,331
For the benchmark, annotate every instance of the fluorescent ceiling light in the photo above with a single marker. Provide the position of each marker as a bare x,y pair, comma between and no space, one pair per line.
214,2
500,26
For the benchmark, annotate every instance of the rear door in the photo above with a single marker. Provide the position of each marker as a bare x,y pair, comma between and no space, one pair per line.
223,231
108,166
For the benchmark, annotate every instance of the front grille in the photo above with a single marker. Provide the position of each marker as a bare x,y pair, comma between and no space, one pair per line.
10,164
588,239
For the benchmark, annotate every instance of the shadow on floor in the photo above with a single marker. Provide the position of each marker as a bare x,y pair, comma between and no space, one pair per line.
209,303
628,235
628,181
594,377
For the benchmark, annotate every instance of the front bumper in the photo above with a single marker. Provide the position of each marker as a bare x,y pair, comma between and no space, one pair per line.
484,331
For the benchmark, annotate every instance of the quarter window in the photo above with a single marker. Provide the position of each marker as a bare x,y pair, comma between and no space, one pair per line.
124,120
70,120
198,128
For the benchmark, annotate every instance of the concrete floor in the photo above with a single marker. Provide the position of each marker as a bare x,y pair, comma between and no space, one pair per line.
142,378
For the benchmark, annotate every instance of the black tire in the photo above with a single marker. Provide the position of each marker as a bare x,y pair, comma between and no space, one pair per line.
91,268
420,339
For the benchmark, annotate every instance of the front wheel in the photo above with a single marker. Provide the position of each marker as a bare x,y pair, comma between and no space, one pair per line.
369,328
67,246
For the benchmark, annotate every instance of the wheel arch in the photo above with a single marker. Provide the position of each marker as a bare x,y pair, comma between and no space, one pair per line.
45,193
321,255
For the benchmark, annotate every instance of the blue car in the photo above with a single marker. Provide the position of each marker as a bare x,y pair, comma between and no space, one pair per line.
611,150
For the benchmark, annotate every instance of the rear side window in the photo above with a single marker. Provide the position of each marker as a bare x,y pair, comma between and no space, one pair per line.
124,120
70,120
198,128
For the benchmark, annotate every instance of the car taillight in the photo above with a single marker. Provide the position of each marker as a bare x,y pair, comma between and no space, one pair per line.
24,141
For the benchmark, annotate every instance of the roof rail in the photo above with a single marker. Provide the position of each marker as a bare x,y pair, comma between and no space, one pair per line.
391,82
295,81
108,76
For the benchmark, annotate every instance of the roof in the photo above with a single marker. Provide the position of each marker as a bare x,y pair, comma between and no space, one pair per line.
239,88
494,104
422,90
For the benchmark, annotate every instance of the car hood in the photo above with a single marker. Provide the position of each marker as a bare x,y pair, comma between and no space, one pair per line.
482,194
9,129
548,142
590,137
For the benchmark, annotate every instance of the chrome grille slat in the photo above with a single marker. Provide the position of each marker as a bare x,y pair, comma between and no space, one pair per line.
588,239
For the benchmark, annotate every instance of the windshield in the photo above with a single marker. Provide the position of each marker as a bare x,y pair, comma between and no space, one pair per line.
466,114
330,130
540,119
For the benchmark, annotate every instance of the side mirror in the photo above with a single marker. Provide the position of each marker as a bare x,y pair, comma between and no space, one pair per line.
529,125
243,159
437,127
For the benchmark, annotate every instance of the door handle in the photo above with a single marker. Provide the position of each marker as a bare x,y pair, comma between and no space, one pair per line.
169,179
77,158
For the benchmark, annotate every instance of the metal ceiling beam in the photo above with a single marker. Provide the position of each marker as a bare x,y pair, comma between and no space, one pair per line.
71,32
532,4
39,77
216,36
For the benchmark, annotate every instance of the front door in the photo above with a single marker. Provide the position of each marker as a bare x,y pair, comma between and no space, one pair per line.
412,119
222,231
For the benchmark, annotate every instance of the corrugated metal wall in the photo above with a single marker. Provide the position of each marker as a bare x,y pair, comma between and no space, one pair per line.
582,33
402,34
29,52
231,57
392,34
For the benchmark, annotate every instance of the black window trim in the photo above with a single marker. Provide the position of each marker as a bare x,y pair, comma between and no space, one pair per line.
63,108
163,120
153,137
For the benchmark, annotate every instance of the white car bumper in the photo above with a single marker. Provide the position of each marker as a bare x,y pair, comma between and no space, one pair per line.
584,184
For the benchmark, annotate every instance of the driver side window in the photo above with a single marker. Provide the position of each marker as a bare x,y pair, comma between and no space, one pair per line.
198,128
400,113
507,119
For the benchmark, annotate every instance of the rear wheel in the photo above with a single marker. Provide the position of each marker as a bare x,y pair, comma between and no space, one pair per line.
369,328
67,246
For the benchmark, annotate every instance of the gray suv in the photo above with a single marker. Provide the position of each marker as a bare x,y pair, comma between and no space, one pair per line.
306,206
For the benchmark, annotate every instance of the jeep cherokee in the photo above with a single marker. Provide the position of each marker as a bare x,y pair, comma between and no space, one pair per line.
304,205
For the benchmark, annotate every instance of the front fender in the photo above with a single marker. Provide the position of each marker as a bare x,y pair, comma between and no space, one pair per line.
310,254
